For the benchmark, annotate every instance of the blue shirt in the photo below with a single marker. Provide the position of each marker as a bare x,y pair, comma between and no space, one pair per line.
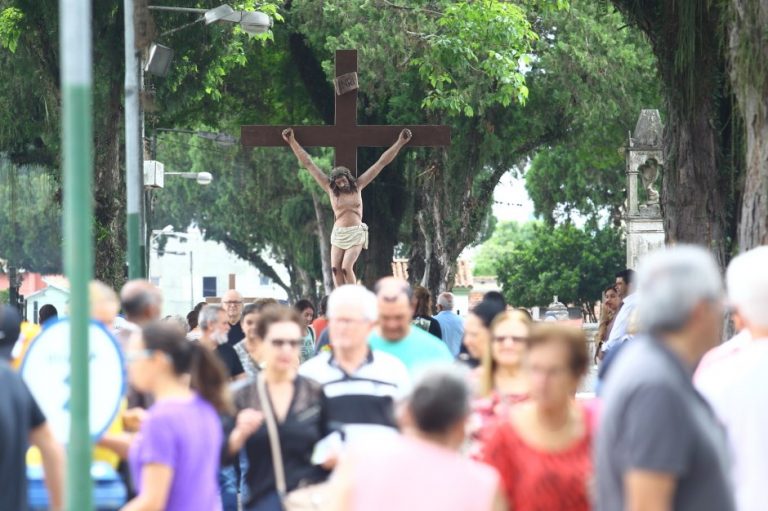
453,330
416,350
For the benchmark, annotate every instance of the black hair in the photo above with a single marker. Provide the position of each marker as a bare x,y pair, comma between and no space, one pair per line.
303,305
208,376
46,312
487,310
249,308
439,401
612,287
628,276
338,172
496,297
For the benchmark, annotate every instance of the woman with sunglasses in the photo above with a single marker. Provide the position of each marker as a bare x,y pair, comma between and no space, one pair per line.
299,408
501,381
542,449
174,459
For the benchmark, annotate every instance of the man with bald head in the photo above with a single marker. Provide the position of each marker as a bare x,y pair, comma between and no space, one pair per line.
413,346
141,301
232,302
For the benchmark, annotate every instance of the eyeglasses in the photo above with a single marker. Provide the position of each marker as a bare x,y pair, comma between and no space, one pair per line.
501,338
230,304
138,355
293,343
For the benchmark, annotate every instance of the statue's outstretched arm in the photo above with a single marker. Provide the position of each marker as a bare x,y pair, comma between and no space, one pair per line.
306,160
386,158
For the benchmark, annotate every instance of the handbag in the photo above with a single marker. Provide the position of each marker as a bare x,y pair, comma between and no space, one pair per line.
312,497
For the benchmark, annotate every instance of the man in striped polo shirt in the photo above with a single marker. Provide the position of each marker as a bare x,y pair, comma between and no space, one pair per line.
361,385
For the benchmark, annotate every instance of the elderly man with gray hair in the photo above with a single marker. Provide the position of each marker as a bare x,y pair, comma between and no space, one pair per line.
361,385
451,323
214,327
660,445
735,380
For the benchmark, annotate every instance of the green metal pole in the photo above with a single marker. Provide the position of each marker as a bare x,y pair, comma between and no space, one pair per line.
134,178
77,136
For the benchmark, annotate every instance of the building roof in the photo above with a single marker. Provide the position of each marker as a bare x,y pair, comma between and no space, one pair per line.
463,272
33,282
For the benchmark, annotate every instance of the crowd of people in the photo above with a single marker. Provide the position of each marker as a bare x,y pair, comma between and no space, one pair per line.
372,401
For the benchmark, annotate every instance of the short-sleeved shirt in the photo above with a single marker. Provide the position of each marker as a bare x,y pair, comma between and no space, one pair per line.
185,435
19,415
735,382
534,479
235,334
416,350
230,359
654,420
453,330
361,403
304,425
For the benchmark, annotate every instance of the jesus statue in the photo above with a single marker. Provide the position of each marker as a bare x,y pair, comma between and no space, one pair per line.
350,235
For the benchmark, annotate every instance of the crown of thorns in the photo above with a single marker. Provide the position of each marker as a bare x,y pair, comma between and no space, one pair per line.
338,172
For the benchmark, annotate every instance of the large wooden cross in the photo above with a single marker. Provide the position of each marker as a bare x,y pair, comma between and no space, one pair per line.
345,136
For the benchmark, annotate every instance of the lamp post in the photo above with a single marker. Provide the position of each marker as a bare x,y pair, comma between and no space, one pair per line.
76,68
252,23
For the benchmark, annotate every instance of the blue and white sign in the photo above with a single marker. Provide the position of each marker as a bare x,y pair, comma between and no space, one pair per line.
46,372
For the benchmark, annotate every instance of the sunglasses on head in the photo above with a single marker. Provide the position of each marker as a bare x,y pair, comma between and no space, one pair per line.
293,343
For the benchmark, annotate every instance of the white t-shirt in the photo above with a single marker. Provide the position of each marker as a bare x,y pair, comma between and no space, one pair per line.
734,379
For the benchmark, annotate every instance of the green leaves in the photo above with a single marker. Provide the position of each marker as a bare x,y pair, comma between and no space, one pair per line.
10,28
564,260
474,60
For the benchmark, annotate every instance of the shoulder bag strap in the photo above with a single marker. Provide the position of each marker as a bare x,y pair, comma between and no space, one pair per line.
274,438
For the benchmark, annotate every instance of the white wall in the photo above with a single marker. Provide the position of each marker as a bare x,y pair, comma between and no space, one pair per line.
49,295
209,259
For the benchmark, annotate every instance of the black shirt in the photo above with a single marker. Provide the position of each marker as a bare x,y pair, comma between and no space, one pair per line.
304,425
429,324
235,334
19,415
228,356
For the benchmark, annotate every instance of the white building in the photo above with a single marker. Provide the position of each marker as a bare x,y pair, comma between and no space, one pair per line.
55,294
193,269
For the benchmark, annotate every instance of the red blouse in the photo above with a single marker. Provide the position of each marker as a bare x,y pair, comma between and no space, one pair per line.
535,480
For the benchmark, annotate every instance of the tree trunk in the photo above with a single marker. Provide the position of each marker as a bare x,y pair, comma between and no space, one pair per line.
108,193
748,52
684,36
323,242
692,199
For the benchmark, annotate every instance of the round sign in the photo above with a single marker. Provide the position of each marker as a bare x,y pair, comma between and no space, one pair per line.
46,372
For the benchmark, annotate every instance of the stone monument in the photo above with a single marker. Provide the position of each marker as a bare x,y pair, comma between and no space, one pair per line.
645,159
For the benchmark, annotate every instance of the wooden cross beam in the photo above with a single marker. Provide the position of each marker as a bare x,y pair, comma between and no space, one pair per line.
345,136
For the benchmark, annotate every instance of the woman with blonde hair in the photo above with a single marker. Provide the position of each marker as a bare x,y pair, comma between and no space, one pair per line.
501,381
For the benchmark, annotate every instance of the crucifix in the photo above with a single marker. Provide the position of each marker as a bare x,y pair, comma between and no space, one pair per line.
350,235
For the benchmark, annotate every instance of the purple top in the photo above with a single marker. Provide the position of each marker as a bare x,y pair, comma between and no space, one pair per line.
187,436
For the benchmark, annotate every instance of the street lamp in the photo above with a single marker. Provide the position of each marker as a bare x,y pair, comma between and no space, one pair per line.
252,22
159,62
223,139
202,178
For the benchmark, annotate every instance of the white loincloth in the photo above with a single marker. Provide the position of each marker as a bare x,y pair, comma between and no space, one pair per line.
348,237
